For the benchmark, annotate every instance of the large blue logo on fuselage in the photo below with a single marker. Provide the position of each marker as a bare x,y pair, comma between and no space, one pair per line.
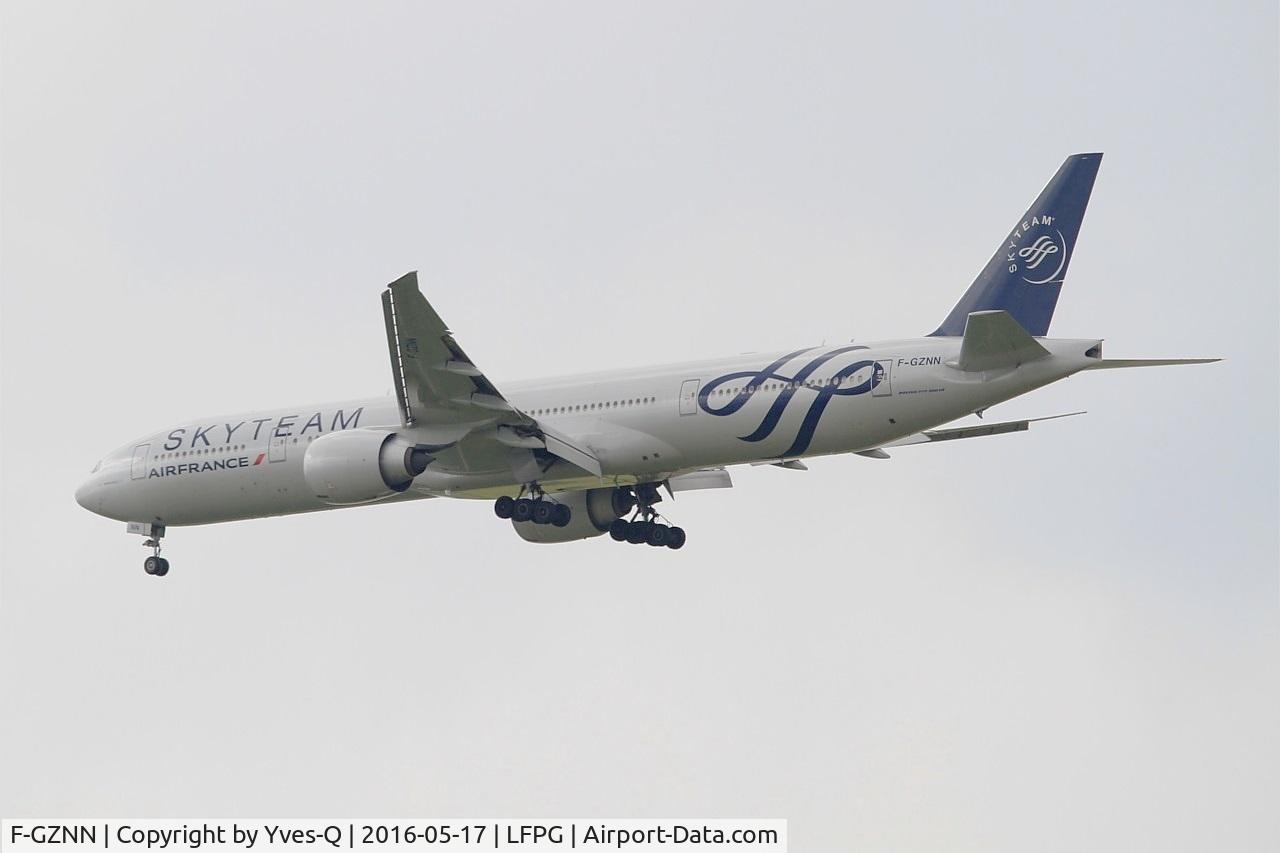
753,382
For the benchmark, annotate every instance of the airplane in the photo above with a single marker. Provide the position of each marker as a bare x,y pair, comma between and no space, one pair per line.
583,456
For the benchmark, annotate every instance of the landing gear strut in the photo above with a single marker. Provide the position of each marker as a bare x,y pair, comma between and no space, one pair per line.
155,564
646,526
537,509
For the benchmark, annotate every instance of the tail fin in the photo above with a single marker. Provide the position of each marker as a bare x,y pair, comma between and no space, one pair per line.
1026,273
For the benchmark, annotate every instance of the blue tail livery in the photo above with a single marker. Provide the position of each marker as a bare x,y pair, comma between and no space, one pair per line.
1025,274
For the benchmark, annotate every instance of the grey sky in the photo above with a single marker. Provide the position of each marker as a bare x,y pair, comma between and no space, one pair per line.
1060,640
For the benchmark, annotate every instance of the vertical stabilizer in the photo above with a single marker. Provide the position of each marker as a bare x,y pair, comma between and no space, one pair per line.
1025,274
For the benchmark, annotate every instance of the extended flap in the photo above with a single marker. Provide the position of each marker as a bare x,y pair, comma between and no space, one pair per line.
570,450
706,478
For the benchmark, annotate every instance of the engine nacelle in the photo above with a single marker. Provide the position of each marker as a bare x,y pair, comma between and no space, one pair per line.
358,466
593,511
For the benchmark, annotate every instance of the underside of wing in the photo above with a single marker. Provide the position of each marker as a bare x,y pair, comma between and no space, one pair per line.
436,383
448,404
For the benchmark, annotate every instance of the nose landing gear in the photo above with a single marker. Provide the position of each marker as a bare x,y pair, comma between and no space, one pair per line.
155,564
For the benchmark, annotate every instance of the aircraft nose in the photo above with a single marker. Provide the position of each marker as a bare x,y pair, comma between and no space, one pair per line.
83,493
91,493
104,491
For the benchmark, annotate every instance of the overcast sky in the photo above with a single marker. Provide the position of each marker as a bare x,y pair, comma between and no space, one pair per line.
1059,640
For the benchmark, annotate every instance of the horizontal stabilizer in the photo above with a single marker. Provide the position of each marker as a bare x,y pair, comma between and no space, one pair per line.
973,431
1114,363
993,340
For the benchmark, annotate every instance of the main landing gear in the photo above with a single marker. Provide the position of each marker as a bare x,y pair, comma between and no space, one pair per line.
538,509
647,531
646,527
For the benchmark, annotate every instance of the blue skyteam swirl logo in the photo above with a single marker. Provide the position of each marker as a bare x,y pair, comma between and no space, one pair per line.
1035,254
752,381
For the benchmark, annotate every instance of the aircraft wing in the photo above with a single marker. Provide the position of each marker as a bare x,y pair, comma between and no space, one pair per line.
446,402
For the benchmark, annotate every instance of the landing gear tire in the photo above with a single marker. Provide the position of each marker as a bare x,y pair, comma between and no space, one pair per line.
155,564
504,506
562,515
657,535
675,538
619,529
543,512
523,510
638,532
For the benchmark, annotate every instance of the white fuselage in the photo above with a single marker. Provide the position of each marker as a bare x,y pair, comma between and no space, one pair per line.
643,425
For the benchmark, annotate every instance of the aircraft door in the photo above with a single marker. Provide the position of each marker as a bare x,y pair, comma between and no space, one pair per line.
138,470
278,450
689,397
882,388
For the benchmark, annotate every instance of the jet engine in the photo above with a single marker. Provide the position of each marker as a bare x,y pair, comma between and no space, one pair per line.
358,465
593,511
